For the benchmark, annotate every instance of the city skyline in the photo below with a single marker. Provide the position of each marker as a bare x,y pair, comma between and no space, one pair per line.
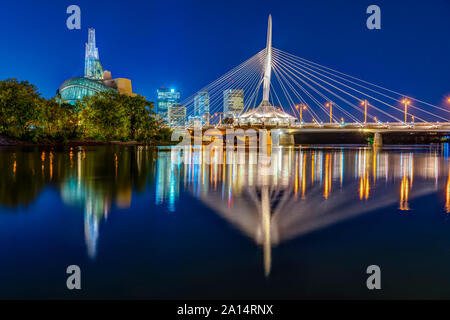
378,56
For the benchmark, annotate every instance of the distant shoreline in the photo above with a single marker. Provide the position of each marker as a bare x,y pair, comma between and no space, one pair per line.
11,142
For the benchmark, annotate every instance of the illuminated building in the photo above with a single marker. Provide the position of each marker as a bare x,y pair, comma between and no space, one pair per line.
233,102
194,121
166,99
92,67
176,116
95,78
201,106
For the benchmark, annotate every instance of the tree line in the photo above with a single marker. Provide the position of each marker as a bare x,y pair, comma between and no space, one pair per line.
106,116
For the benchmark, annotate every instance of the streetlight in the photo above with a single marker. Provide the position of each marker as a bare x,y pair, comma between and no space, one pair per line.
330,105
406,102
365,104
301,108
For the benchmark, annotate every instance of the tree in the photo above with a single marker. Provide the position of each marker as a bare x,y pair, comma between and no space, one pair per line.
143,123
110,115
20,103
103,116
228,120
56,120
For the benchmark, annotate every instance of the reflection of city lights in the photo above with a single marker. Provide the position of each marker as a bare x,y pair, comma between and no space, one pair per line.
296,176
364,186
327,185
447,194
404,194
304,176
71,157
43,160
51,165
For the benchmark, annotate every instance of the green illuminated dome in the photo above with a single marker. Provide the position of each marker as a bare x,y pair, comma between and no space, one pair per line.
77,88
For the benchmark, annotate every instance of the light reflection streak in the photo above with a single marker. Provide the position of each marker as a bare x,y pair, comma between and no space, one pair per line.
288,178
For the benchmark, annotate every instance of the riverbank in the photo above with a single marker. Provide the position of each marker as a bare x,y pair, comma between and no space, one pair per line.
5,141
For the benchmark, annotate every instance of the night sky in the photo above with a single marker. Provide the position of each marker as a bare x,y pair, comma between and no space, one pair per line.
188,44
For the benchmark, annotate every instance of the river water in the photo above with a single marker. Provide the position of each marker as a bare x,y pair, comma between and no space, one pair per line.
140,223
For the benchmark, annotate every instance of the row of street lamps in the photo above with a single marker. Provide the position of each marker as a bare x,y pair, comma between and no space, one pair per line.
300,107
406,102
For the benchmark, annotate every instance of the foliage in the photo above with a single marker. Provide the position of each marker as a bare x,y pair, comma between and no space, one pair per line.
109,115
19,106
228,120
113,116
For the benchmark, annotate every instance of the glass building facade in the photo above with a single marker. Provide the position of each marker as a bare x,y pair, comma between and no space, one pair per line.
92,67
166,99
201,106
233,102
94,78
177,116
76,88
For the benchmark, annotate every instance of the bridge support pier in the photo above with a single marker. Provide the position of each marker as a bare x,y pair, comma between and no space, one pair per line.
286,140
377,140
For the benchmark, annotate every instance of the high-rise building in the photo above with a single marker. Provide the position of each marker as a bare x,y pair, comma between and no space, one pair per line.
233,102
201,106
194,121
176,116
92,67
166,99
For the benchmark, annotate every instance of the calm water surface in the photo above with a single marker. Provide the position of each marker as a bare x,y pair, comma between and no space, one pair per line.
142,225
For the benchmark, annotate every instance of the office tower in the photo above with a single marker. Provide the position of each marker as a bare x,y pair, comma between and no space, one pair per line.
176,116
201,106
166,99
233,102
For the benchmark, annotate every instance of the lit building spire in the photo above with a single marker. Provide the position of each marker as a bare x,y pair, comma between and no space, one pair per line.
92,66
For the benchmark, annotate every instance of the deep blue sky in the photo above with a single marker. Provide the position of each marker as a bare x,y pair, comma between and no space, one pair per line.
188,44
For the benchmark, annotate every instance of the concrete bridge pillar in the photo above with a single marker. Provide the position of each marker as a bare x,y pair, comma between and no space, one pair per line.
286,140
280,138
377,140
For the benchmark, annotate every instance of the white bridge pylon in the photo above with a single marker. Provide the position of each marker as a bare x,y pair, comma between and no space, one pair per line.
268,62
312,93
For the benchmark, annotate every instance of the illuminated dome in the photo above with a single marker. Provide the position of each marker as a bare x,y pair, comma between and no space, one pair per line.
77,88
266,114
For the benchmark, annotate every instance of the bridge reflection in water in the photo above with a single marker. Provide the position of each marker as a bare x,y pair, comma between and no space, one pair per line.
304,189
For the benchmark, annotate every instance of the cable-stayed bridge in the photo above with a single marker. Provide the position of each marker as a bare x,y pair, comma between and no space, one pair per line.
276,89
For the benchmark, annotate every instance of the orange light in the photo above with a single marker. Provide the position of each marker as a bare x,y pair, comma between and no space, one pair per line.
448,100
304,107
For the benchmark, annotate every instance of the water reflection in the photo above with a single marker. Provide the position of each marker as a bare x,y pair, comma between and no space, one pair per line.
302,190
89,177
308,189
